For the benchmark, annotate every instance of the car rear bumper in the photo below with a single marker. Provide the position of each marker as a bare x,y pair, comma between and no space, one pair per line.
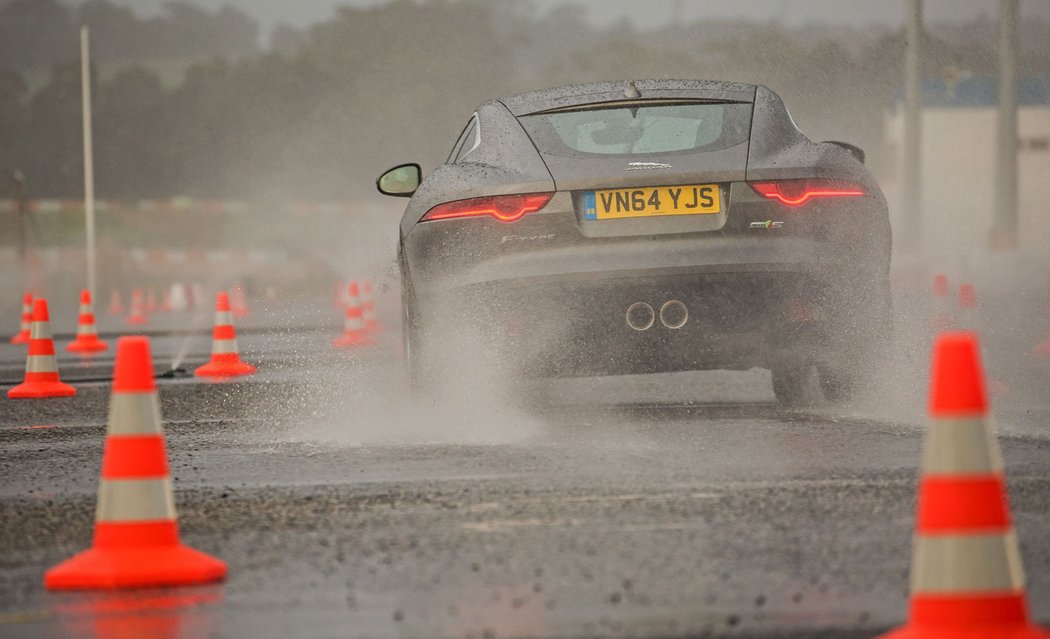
739,316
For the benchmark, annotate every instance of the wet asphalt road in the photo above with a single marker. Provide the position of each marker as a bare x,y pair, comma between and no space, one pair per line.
681,505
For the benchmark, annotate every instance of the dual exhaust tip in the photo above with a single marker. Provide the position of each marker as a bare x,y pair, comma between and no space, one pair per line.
641,317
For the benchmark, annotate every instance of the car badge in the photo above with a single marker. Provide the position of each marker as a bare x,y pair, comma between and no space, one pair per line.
768,224
646,166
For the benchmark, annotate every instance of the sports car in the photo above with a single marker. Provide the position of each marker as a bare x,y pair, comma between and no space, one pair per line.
640,227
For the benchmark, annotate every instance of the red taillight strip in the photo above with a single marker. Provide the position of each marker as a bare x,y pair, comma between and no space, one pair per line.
806,190
505,208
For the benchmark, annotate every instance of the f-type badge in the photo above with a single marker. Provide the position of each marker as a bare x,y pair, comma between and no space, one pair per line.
646,166
768,224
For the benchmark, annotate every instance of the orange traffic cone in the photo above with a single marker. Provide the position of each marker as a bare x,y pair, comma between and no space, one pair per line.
116,307
967,303
136,533
1043,347
41,370
942,317
354,330
368,307
138,310
225,362
151,301
966,579
27,319
238,305
87,340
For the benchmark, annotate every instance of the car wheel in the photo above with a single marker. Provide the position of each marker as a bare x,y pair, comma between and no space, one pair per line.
855,373
416,369
839,385
789,383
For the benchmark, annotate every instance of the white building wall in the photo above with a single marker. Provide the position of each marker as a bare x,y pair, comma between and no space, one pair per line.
959,177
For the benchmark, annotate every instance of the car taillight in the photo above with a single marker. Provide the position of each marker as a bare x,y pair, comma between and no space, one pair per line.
505,208
798,192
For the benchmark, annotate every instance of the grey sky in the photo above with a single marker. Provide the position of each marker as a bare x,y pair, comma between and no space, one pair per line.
301,13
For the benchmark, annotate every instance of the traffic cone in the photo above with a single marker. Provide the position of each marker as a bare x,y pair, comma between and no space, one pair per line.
87,340
967,303
116,307
238,305
354,332
151,301
138,311
942,317
136,540
225,362
41,370
165,300
368,308
966,574
1043,348
177,297
27,319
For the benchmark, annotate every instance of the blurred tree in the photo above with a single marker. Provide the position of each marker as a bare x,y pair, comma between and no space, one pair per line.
326,108
36,33
50,153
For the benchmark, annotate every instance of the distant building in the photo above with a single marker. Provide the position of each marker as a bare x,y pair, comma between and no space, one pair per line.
958,162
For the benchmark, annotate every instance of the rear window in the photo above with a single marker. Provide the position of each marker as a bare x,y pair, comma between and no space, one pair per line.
639,130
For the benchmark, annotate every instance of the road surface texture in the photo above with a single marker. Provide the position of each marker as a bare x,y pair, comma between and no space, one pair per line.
687,505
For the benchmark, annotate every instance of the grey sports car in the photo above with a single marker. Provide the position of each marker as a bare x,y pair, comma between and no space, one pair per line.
646,226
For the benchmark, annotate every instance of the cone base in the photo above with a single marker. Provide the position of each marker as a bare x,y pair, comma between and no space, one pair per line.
224,369
1041,349
135,567
38,390
87,345
351,339
912,631
21,338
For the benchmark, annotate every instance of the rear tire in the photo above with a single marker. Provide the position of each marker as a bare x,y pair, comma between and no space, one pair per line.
840,386
855,374
419,374
789,383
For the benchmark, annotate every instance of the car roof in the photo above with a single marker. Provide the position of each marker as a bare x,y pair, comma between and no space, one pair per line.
574,95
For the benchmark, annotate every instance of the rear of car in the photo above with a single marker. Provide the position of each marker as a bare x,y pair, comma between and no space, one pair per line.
650,226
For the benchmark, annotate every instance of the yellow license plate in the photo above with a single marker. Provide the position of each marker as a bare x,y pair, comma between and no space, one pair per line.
612,204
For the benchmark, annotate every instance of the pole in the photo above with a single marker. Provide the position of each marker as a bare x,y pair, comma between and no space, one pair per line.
912,164
89,168
1004,227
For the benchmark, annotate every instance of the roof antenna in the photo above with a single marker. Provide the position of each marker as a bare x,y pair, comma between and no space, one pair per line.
631,91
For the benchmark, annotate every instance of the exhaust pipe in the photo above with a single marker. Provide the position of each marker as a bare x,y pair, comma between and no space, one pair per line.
640,316
674,314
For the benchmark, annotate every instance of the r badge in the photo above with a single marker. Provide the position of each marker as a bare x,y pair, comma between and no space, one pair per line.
768,224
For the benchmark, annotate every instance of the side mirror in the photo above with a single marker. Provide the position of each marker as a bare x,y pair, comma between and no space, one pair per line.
400,181
854,150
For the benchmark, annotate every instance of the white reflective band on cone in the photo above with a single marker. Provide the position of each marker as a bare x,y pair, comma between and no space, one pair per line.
40,330
967,564
223,318
134,414
354,324
41,364
961,446
135,500
223,346
86,329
